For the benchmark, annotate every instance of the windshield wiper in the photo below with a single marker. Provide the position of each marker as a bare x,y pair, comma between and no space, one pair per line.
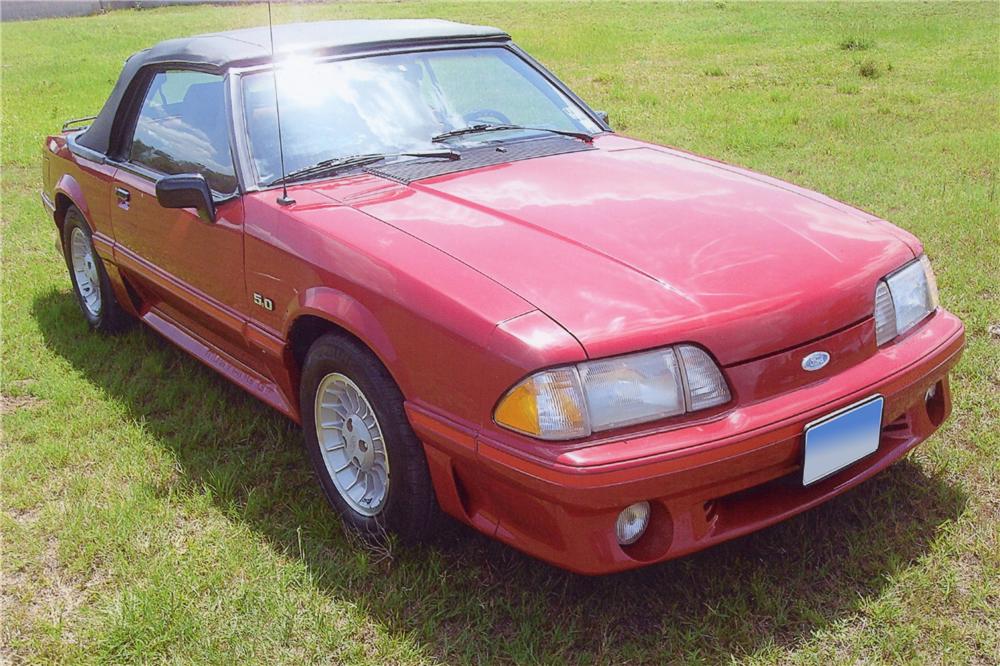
336,164
484,127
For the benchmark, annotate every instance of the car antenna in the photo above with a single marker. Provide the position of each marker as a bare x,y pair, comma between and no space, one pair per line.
284,199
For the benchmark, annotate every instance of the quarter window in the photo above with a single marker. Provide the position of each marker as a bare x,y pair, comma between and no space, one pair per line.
182,128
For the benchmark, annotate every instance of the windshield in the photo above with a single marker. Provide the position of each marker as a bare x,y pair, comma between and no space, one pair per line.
398,103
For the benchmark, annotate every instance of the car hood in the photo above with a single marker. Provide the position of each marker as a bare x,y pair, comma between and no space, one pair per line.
630,246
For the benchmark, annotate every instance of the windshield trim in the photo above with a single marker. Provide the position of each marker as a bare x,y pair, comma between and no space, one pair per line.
247,168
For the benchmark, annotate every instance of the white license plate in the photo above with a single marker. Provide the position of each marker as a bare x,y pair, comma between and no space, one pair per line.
841,438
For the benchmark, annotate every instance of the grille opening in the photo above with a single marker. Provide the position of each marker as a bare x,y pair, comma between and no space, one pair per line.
711,509
896,426
462,492
735,508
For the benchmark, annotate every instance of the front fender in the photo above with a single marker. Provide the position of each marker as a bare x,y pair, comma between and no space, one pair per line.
346,312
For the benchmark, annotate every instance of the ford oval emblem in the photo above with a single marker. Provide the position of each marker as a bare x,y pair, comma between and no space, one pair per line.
815,361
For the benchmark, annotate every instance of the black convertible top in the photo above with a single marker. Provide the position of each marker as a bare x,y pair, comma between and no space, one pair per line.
217,52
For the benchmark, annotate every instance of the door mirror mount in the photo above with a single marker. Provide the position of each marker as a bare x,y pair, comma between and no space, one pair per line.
187,190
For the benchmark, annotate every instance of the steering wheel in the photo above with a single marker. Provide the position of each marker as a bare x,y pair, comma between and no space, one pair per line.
489,116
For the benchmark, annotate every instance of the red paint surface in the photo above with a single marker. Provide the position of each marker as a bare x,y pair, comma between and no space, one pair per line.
465,283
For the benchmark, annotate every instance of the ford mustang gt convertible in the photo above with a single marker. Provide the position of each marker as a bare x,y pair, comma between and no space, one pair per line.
478,300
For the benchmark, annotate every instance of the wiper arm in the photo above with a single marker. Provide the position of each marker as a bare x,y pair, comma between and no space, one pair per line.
483,127
471,129
336,164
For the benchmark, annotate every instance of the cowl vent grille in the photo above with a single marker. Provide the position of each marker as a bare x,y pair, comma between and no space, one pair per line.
472,158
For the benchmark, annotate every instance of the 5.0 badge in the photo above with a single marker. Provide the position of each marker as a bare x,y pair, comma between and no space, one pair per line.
263,301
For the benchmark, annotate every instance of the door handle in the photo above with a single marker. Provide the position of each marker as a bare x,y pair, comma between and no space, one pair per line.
123,196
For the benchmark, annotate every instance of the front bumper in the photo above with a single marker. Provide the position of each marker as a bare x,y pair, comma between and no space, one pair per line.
707,483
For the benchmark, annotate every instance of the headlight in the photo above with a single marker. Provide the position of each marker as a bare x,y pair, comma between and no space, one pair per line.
903,299
575,401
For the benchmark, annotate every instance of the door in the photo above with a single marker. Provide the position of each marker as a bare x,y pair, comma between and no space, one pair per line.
189,269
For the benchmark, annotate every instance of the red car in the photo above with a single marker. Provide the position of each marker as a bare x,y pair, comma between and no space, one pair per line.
479,300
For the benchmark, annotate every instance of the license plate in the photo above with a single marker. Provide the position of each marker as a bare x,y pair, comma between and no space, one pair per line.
841,438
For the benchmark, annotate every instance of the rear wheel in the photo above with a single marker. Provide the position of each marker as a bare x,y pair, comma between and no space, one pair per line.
366,456
90,279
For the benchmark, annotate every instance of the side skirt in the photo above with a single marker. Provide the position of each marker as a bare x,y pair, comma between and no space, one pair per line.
246,378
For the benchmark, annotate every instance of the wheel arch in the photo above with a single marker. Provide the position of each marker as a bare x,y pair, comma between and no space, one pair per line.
323,310
69,193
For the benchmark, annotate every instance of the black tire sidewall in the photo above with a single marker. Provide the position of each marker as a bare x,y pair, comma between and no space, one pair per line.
410,506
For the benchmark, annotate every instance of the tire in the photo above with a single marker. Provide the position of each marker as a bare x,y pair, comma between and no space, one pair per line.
88,276
367,431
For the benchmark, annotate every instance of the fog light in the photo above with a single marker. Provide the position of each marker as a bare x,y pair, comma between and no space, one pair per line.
931,392
632,523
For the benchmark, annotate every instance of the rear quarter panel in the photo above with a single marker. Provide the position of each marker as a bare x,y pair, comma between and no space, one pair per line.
85,183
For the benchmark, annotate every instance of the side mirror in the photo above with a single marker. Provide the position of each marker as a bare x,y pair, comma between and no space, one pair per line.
603,115
186,190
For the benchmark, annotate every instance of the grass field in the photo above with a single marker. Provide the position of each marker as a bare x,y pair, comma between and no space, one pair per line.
152,512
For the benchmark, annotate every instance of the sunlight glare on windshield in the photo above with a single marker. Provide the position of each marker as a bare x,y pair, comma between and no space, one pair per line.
395,103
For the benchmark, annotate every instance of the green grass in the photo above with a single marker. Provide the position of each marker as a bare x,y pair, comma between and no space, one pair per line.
152,512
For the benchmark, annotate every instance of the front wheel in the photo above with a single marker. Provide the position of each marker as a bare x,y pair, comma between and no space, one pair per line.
366,456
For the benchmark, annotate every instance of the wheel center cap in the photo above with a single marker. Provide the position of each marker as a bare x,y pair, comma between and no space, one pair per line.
358,440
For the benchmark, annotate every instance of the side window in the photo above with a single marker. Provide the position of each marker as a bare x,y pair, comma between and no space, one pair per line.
182,128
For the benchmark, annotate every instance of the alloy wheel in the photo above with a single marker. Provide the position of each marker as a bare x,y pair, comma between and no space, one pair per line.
88,283
352,444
